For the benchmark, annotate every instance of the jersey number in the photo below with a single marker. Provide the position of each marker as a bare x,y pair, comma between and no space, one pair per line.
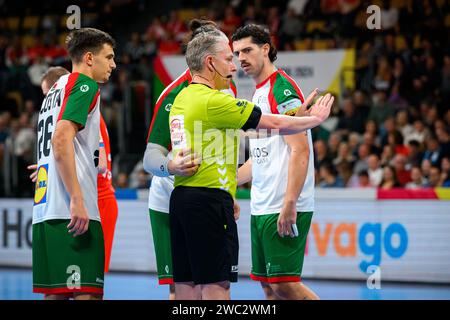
45,134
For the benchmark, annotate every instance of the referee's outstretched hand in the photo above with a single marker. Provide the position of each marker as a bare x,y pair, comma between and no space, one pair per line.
304,108
321,109
185,163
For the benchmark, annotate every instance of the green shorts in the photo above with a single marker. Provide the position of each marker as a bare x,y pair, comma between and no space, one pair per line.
161,241
276,259
63,264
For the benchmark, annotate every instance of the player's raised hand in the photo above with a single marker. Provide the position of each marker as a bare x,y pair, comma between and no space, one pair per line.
33,175
79,218
304,110
321,109
185,163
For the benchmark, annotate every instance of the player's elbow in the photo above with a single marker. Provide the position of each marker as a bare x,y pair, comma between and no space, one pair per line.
147,163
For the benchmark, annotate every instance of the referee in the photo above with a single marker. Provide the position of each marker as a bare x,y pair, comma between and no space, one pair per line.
203,229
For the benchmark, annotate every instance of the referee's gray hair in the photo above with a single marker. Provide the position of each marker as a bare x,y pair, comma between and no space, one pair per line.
203,44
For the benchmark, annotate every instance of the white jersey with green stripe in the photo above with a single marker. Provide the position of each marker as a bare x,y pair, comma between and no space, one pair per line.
74,97
278,94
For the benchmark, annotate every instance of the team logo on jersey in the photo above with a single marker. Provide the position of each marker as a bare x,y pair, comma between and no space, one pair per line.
287,92
84,88
40,194
168,107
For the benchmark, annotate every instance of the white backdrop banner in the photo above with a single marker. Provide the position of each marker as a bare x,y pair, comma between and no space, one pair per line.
310,69
348,239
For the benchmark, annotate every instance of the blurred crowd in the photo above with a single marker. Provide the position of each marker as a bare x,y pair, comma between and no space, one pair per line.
392,130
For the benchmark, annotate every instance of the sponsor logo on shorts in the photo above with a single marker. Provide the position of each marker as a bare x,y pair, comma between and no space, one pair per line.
99,280
234,268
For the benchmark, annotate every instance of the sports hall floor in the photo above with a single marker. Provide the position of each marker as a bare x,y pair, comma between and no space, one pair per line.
15,284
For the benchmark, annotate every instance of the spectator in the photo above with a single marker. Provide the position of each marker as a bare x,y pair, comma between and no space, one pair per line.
389,16
431,77
417,180
433,151
402,123
389,180
345,173
320,153
415,155
387,155
156,30
420,132
4,131
374,170
328,178
387,128
401,85
290,28
426,168
354,140
175,26
122,180
344,154
402,174
395,139
134,48
435,178
360,101
369,139
363,180
333,144
361,164
381,109
445,79
350,121
169,45
251,16
139,178
443,137
230,21
383,77
298,6
445,169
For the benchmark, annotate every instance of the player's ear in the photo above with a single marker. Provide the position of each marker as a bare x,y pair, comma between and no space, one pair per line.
266,48
88,58
209,63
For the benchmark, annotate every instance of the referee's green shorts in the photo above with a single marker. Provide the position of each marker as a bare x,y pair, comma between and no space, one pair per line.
277,259
63,264
161,240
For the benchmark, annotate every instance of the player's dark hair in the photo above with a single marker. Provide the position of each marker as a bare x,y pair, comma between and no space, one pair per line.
84,40
259,36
